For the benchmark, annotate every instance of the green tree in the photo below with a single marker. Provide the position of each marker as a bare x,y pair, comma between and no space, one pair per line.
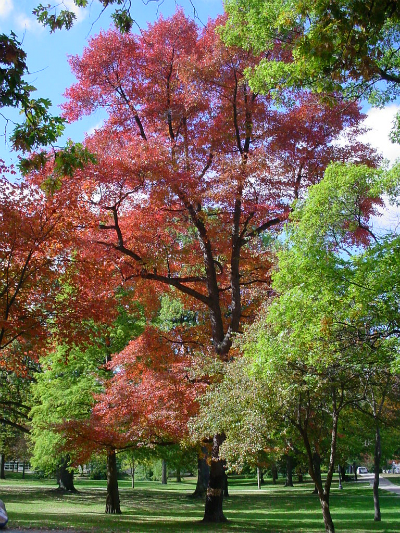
347,46
65,391
330,340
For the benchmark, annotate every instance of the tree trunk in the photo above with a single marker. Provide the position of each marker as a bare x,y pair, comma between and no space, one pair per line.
215,491
274,472
164,472
112,501
326,513
65,477
226,491
133,473
316,459
289,469
377,463
178,474
23,470
355,471
203,474
2,463
258,477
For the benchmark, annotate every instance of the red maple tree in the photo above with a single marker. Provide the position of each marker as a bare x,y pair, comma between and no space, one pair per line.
193,171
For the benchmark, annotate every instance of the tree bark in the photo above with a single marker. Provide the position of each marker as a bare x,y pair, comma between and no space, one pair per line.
178,474
316,459
112,501
274,472
226,491
2,463
133,473
65,477
289,469
164,475
355,471
377,463
326,513
203,474
258,477
215,490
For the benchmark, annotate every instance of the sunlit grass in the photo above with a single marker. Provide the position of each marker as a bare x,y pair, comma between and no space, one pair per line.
155,508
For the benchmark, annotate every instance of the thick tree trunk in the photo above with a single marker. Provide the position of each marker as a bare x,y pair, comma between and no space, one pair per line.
289,470
164,472
65,477
377,464
112,501
274,472
178,474
215,490
203,474
2,463
226,491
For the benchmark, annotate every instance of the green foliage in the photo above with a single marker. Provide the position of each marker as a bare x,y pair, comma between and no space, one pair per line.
64,19
50,17
66,388
13,89
346,46
39,128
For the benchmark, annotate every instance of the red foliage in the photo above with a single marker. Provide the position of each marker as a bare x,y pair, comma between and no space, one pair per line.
193,170
148,400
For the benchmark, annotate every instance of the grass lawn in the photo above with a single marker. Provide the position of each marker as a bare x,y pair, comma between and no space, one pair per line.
154,508
394,478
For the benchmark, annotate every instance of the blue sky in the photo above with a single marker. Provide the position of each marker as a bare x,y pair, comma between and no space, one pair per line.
47,54
50,72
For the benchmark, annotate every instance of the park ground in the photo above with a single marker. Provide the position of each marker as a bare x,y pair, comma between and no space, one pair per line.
35,505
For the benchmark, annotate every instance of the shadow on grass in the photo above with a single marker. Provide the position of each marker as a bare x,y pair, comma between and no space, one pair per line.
153,510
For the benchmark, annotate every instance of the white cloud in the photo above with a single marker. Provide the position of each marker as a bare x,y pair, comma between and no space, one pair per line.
97,126
25,22
6,6
380,122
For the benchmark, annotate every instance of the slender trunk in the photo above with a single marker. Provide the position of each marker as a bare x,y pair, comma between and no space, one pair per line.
164,472
178,474
2,463
323,491
23,470
329,527
203,474
258,477
65,477
133,473
355,471
112,501
289,469
274,472
316,459
377,463
215,490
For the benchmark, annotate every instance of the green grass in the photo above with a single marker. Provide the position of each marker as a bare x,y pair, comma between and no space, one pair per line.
154,508
394,478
